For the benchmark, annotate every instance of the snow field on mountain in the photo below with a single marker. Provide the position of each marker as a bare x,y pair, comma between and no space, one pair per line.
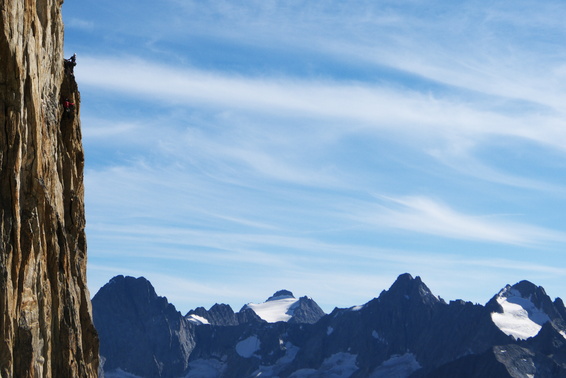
247,347
199,320
206,368
338,365
520,318
119,373
277,310
397,367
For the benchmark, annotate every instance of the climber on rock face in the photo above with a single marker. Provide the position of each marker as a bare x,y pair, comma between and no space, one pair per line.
70,64
68,106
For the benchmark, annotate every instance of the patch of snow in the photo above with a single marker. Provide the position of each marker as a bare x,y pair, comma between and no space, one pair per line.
279,309
247,347
209,368
119,373
397,367
563,334
329,331
339,365
520,319
356,308
376,336
290,353
306,373
198,320
274,370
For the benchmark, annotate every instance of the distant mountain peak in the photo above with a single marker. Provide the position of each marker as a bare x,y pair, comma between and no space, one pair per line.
523,309
281,294
406,282
527,288
524,289
275,309
409,288
133,302
116,279
133,289
284,307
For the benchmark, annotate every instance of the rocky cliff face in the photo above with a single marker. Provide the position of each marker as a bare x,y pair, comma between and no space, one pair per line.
46,327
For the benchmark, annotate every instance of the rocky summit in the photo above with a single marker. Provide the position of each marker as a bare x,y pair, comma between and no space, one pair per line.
46,326
142,328
406,331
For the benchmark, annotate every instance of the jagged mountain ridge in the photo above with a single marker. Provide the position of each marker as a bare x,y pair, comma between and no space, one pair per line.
405,331
222,315
281,306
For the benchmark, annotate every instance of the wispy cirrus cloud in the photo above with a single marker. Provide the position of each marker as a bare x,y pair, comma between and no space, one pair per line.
243,142
371,107
492,49
425,215
294,117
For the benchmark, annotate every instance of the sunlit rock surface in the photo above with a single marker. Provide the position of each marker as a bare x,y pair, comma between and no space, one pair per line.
46,326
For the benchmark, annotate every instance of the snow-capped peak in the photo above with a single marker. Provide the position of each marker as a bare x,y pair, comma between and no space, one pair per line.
520,318
278,308
281,294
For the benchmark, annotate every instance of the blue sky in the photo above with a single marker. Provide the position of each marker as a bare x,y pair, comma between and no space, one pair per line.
237,148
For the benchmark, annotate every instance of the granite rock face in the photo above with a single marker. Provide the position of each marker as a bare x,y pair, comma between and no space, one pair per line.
46,327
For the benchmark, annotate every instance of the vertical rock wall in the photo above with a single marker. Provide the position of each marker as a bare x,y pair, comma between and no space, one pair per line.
46,327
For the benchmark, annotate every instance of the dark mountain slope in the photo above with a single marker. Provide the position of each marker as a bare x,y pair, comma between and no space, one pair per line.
406,331
140,332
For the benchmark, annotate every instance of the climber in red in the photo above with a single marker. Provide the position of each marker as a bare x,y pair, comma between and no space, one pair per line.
68,106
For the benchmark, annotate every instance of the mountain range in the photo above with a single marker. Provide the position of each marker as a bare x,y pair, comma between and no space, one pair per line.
405,332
